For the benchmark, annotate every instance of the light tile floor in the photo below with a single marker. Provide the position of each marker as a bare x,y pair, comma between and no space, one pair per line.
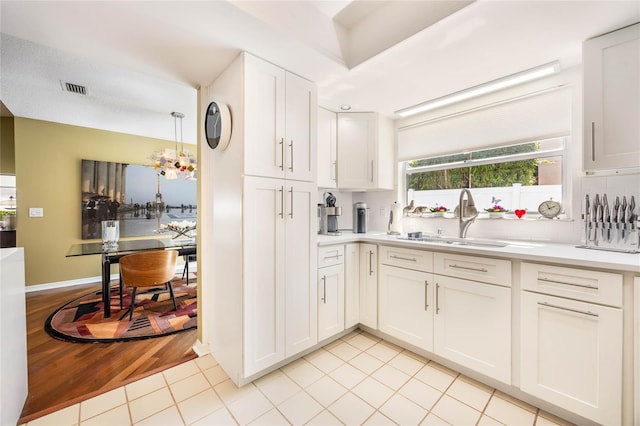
356,380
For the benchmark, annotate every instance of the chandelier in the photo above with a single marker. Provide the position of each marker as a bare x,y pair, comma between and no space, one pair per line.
173,162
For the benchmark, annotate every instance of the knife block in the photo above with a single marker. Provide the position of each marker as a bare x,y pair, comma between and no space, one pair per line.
611,236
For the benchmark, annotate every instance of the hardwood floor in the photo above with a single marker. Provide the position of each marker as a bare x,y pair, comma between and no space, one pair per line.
64,373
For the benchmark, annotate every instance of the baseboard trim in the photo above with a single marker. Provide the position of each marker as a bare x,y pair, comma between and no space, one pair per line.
69,283
200,348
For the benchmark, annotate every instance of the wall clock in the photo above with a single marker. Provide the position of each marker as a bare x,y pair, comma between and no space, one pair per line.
550,209
217,125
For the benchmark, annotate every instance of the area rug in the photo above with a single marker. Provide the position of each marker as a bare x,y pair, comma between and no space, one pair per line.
82,320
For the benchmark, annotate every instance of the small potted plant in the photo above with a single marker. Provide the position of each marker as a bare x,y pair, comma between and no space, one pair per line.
496,211
438,210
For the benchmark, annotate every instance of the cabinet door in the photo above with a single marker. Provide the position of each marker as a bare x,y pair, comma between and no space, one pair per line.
327,146
300,129
330,301
264,275
406,305
571,355
611,66
264,118
472,325
351,285
357,134
301,304
369,285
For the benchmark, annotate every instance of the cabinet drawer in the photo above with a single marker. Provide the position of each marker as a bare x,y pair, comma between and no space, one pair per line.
483,269
407,258
330,255
581,284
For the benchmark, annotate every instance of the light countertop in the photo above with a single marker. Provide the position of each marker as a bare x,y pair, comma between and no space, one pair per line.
564,254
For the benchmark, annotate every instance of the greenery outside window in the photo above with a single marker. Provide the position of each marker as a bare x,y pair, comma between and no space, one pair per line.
535,168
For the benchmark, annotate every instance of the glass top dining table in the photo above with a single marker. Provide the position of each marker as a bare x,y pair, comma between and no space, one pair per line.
126,247
112,254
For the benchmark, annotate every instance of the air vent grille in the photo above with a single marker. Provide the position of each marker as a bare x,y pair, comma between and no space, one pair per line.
75,88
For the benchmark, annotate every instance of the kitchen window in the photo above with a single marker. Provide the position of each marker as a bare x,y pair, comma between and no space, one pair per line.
516,176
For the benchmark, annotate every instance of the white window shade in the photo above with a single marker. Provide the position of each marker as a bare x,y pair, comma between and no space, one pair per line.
527,118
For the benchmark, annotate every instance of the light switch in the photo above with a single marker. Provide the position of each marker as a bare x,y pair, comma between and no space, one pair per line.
36,212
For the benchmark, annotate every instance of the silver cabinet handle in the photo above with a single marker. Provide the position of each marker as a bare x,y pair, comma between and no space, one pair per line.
333,170
291,194
393,256
291,148
426,296
593,141
468,268
336,256
371,170
282,202
324,289
568,283
370,262
549,305
281,153
437,298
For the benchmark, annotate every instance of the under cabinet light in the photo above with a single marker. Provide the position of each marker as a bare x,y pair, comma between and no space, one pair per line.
483,89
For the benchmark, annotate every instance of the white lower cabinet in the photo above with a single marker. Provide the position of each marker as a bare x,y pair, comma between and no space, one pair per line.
330,301
571,335
280,305
466,320
406,305
571,355
351,284
472,325
369,285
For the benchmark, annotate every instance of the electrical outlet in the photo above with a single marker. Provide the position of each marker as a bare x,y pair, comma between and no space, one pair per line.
382,212
36,212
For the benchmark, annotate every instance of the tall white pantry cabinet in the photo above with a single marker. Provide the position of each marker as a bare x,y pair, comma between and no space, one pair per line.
262,264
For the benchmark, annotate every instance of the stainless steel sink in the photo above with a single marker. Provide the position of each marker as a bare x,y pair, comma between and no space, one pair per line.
459,241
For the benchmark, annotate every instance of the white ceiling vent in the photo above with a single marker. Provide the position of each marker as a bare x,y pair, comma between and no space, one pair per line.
73,88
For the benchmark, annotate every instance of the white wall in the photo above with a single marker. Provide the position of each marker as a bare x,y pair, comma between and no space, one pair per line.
576,183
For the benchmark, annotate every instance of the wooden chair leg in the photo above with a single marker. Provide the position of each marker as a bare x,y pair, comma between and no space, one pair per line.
175,305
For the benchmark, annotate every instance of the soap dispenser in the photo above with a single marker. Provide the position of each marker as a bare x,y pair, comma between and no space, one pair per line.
395,219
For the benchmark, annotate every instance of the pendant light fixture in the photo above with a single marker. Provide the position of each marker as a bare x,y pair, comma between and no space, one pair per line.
173,162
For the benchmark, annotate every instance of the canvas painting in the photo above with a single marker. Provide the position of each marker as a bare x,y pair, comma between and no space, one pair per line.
136,195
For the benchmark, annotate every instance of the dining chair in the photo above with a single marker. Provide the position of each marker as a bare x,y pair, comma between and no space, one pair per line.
148,269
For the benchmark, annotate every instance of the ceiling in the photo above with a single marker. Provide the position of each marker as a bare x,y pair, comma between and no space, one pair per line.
141,60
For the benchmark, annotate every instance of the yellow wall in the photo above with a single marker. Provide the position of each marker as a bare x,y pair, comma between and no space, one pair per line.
47,165
6,146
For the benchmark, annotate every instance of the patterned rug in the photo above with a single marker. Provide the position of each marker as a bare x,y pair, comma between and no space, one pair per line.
82,320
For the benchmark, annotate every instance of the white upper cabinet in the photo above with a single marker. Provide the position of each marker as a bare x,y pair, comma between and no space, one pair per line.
327,148
612,100
300,129
365,151
280,123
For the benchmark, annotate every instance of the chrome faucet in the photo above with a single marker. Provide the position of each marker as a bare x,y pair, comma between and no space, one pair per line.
465,207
